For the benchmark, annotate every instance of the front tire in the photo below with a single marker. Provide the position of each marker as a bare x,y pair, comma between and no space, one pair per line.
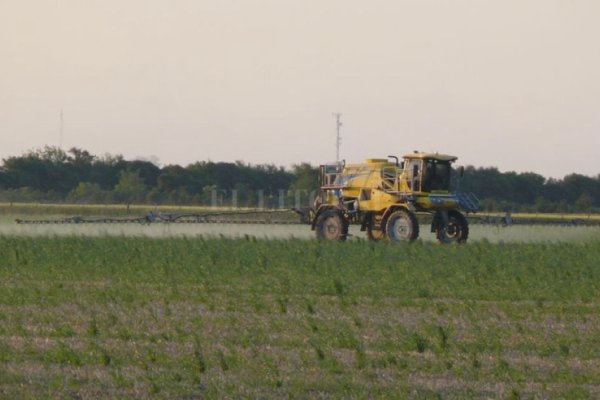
331,225
402,226
456,231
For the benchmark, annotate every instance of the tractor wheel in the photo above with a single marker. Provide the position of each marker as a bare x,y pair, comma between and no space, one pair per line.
331,225
457,230
402,225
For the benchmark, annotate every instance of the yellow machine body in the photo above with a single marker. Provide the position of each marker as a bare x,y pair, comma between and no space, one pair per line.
368,193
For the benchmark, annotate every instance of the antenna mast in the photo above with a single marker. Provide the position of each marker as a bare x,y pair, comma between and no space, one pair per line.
338,139
60,139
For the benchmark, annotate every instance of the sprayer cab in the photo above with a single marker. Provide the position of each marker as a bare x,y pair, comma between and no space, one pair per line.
426,173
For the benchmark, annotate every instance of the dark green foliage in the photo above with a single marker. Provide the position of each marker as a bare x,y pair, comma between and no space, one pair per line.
51,174
530,192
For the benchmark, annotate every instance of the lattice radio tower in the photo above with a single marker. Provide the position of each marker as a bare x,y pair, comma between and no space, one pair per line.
338,138
61,129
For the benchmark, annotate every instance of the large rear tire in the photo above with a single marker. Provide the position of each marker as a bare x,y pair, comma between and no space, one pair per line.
402,226
456,231
331,225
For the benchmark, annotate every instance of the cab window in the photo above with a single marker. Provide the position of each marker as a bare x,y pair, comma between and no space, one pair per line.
436,175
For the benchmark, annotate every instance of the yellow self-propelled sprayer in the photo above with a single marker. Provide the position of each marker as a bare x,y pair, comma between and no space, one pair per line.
385,196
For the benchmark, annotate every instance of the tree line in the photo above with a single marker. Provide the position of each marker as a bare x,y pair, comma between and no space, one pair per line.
77,176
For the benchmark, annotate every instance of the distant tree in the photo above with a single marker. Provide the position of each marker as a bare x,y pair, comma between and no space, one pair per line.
584,203
28,171
305,183
87,192
172,177
528,187
242,195
81,157
543,205
209,195
130,188
5,181
106,170
147,171
155,196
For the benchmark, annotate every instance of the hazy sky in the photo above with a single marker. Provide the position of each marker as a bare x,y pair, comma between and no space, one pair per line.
511,84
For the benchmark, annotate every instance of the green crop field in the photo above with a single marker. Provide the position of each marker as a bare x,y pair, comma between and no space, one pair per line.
195,317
